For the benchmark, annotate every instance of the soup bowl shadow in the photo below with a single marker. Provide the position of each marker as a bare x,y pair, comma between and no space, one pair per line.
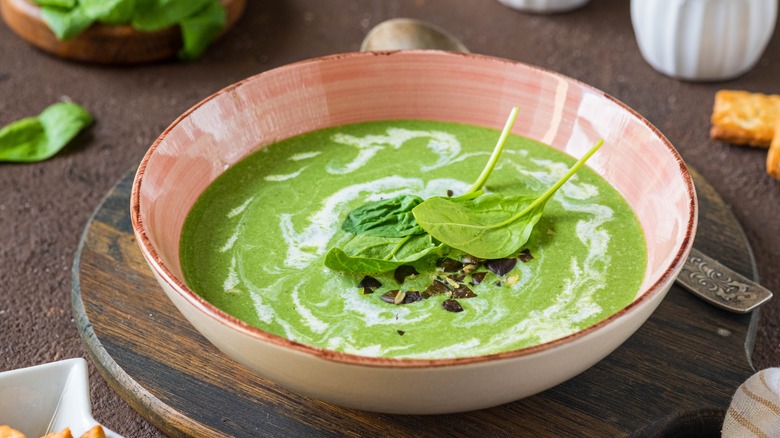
356,87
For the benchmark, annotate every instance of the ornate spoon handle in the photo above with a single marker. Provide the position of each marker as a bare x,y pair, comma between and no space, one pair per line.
717,284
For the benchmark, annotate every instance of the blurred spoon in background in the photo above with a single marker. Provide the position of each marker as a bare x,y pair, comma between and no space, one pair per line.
409,34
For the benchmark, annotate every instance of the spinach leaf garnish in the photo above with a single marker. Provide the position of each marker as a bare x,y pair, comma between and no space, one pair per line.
404,229
492,226
39,138
372,254
476,188
386,218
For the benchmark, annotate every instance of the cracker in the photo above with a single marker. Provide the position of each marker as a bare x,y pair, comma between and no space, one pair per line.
746,118
64,433
95,432
8,432
773,157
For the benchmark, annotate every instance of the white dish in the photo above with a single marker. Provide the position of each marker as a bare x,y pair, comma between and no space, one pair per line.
544,6
48,398
703,40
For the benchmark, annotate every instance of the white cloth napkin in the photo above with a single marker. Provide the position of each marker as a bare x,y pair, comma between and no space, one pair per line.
755,408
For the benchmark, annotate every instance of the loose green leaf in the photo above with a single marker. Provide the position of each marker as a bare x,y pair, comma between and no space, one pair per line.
199,30
386,218
152,15
20,139
65,23
490,226
109,11
370,254
39,138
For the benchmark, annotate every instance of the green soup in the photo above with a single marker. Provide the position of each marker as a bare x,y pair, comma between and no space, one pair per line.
254,243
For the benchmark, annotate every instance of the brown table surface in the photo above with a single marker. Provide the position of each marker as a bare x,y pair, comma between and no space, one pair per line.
45,206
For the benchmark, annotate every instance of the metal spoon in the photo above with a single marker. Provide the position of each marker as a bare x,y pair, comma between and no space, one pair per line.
407,34
702,275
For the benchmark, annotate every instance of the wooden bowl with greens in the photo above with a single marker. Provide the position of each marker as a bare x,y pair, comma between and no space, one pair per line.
368,229
121,31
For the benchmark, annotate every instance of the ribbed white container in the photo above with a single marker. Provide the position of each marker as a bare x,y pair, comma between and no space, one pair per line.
703,39
544,6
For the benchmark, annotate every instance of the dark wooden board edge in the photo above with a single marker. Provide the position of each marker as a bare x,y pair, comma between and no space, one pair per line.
175,423
170,421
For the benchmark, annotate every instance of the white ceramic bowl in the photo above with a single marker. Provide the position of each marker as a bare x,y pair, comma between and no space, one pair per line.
48,398
703,40
467,88
544,6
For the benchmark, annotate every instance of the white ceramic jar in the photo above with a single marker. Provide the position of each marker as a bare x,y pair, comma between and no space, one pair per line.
544,6
703,40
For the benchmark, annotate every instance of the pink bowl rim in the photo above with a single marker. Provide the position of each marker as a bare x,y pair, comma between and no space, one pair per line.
242,327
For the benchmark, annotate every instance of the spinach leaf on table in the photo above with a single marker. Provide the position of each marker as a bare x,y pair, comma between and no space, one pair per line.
39,138
491,226
366,254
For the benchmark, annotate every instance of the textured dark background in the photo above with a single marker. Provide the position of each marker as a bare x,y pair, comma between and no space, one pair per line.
45,206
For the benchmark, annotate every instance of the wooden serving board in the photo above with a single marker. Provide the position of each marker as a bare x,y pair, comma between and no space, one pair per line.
675,376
